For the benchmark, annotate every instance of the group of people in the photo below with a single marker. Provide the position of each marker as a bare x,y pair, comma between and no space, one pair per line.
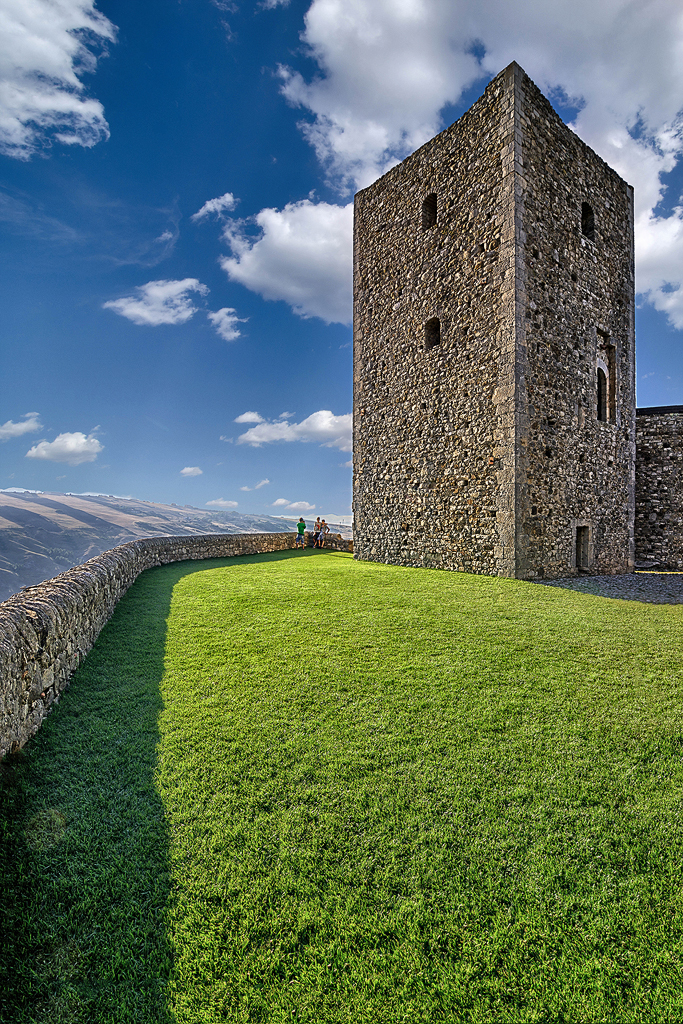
319,530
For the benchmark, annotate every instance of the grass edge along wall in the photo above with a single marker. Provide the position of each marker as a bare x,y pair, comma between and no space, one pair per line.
47,630
459,801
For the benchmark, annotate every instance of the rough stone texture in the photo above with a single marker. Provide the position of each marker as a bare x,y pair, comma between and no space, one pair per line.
659,487
47,630
484,452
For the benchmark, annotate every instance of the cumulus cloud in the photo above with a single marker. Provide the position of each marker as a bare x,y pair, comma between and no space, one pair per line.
191,471
222,503
322,426
300,506
224,321
29,423
249,417
73,449
293,506
43,55
160,302
386,70
215,207
301,254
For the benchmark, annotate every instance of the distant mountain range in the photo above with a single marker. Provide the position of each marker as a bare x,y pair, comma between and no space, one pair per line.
44,534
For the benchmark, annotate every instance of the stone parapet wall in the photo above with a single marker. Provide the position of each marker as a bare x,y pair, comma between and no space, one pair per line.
47,630
659,487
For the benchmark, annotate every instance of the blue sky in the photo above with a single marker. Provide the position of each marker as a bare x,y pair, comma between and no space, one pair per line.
175,182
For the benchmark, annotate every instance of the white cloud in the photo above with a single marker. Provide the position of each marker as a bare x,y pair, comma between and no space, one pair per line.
249,417
159,302
191,471
388,68
30,423
300,506
72,448
224,321
222,503
256,487
322,426
43,55
215,207
293,506
228,440
302,255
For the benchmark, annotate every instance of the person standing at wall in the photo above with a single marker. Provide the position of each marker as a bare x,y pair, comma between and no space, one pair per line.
324,528
300,538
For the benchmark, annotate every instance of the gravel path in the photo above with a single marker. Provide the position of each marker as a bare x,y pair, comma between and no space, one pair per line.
649,587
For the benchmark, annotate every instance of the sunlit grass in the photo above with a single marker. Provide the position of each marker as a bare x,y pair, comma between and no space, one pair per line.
342,791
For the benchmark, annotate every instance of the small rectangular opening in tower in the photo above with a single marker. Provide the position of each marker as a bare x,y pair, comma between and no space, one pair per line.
429,211
432,333
581,547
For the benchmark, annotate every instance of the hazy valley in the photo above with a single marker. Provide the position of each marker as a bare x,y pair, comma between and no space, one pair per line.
43,534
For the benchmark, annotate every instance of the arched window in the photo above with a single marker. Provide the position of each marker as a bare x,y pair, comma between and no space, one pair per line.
587,221
432,333
429,211
602,395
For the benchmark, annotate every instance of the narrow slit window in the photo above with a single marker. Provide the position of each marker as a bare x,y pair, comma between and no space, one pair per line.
602,395
587,221
429,209
432,333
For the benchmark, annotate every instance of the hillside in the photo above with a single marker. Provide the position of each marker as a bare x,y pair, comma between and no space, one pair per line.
44,534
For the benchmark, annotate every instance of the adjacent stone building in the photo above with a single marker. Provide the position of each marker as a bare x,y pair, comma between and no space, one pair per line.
659,487
494,389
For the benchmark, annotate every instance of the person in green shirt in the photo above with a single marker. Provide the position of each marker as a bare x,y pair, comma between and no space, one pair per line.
300,538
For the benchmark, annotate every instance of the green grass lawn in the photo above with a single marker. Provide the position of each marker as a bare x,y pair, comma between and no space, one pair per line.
299,787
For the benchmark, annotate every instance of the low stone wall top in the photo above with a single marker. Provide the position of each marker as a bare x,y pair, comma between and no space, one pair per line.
47,630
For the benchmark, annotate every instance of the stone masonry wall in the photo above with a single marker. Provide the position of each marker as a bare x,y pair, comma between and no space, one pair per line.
484,452
578,299
427,445
47,630
659,487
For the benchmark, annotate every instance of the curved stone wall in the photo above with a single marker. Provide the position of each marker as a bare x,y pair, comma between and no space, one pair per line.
47,630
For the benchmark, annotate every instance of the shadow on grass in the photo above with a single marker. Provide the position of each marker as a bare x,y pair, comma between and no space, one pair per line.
84,862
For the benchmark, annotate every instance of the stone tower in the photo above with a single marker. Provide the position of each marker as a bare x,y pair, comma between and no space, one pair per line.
494,386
